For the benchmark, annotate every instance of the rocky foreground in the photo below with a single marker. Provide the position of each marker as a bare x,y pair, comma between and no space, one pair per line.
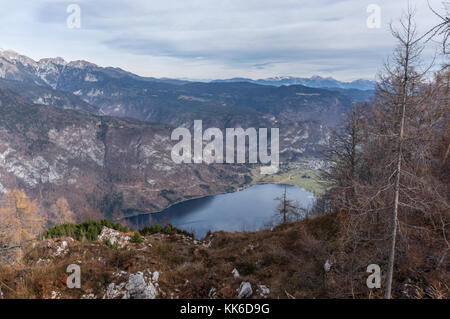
285,262
306,259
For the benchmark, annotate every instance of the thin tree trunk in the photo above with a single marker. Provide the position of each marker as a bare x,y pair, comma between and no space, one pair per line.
284,206
387,294
388,291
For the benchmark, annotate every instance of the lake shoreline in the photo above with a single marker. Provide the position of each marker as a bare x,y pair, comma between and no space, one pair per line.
182,201
206,196
248,207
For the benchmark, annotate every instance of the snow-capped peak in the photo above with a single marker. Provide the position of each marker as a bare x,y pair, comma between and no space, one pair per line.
57,61
81,64
14,57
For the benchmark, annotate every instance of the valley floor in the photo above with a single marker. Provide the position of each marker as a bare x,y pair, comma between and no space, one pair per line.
299,174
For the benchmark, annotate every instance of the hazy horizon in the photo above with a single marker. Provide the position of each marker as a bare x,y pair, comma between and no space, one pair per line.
193,79
203,41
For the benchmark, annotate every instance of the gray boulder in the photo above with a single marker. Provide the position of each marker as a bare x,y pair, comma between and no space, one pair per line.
139,289
245,290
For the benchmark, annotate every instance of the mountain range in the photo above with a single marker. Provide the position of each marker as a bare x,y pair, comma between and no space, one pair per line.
314,82
118,166
101,135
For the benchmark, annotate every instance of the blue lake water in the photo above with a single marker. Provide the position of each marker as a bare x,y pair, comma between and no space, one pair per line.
249,209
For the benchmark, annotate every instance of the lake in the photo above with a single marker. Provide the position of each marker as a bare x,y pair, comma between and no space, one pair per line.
249,209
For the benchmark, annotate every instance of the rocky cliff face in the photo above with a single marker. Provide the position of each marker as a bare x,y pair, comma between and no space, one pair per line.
116,166
44,95
58,136
304,115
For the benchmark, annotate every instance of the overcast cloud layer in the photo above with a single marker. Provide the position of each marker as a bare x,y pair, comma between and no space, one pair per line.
206,39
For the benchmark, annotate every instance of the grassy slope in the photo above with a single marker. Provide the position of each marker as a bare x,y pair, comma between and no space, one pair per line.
305,178
288,260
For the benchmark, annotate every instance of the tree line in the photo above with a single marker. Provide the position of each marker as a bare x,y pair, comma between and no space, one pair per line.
389,168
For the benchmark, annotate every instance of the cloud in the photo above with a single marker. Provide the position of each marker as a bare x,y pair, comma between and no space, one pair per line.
212,38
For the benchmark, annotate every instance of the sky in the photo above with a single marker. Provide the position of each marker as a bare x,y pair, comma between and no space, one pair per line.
214,39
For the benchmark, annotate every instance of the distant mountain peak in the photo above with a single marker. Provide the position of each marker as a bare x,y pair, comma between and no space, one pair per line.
314,81
8,52
57,60
82,64
44,72
318,77
14,57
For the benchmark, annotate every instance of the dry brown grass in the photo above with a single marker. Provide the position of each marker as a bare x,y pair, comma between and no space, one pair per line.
288,259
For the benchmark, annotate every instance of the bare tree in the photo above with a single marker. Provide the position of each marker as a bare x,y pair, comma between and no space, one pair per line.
287,209
60,213
406,77
342,155
442,29
389,171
